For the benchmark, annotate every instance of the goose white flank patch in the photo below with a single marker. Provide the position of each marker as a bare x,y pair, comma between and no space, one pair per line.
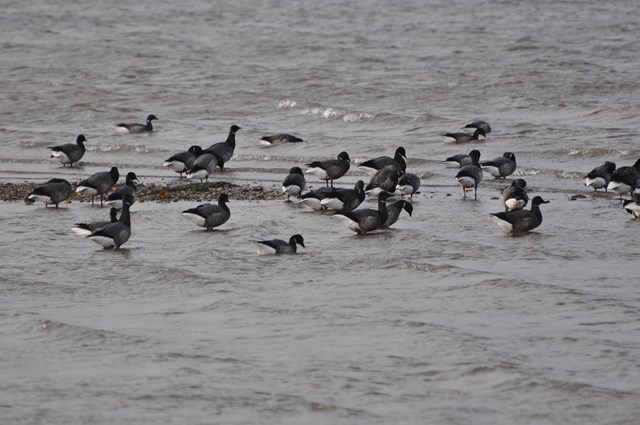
408,184
278,246
87,229
209,215
128,190
385,179
224,150
501,167
632,206
126,128
462,137
277,139
69,153
114,235
344,199
470,175
599,177
52,192
366,220
331,169
625,179
183,161
514,197
99,184
521,221
294,183
313,199
398,162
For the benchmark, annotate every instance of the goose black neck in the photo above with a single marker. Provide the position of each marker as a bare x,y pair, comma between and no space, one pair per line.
125,218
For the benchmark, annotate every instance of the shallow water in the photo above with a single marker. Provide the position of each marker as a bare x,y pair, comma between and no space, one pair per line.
442,319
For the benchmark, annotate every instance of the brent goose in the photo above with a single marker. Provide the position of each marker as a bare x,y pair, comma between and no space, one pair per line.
294,183
344,199
87,229
521,221
625,179
313,199
203,166
398,162
209,215
113,235
599,177
462,137
224,150
501,167
394,210
52,192
480,124
365,220
330,169
183,161
129,190
135,127
457,161
276,139
632,206
470,175
408,184
69,152
514,197
385,179
278,246
99,183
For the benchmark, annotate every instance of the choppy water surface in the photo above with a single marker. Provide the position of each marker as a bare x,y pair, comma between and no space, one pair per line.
443,319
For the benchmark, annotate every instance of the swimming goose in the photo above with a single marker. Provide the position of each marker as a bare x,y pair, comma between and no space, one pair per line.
87,229
209,215
203,166
514,197
480,124
278,246
501,167
457,161
385,179
599,177
521,221
330,169
69,152
394,210
276,139
398,162
313,199
365,220
344,199
625,179
463,137
52,192
294,183
183,161
127,190
632,206
224,150
113,235
135,127
470,175
99,183
408,184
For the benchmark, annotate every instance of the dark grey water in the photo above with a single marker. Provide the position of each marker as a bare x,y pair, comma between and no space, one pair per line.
443,319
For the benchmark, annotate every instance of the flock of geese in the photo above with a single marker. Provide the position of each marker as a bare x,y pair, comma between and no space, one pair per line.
388,176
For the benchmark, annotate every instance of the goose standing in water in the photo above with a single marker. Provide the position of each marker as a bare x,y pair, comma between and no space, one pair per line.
330,169
99,184
398,162
183,161
501,167
115,199
470,175
87,229
600,176
514,197
69,153
521,221
408,184
344,199
113,235
365,220
209,215
394,210
294,183
135,127
224,150
52,192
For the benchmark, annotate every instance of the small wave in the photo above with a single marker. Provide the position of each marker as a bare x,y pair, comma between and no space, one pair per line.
424,267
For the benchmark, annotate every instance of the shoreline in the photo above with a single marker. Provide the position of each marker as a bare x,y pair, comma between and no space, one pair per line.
154,192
